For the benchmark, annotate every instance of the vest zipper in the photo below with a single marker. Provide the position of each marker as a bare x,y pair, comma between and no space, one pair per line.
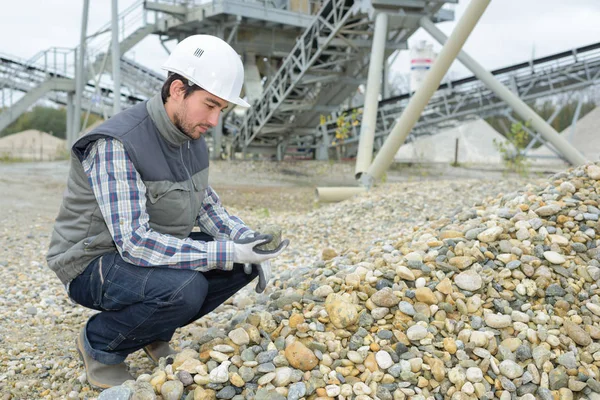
193,187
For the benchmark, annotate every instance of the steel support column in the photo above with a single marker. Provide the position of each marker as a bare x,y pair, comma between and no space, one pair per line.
322,152
80,74
217,139
560,143
369,118
116,58
69,134
411,114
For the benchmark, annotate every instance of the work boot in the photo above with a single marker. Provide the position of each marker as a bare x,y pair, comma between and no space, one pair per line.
101,376
155,351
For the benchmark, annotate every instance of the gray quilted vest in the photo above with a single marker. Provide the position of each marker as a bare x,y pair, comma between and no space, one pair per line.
173,168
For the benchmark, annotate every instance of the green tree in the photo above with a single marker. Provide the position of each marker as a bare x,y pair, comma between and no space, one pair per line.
512,150
545,110
46,119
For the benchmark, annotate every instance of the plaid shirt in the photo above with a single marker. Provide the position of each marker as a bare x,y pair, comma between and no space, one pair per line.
121,195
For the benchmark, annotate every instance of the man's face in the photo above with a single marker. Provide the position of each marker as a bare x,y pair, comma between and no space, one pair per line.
198,112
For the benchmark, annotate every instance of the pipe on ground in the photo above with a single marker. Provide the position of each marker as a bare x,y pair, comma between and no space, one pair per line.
335,194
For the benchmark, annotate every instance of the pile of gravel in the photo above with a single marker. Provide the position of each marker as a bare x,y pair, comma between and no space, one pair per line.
499,300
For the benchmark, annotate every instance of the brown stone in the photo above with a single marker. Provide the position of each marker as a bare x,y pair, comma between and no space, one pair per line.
296,320
371,363
445,286
425,295
328,254
301,357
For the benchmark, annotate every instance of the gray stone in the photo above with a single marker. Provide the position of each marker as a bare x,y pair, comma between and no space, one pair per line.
558,378
568,360
296,391
116,393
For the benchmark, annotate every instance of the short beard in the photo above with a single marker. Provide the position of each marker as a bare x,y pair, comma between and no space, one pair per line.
179,125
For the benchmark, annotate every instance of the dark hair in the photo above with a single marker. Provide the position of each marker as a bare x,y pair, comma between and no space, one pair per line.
189,87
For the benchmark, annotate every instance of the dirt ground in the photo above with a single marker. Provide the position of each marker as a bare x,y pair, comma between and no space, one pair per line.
38,187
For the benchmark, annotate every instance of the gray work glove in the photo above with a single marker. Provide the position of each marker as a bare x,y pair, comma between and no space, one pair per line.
246,251
264,274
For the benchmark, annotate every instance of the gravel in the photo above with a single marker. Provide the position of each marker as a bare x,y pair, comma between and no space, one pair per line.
336,320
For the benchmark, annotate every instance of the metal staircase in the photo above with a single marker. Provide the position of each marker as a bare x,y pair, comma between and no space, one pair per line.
467,98
324,69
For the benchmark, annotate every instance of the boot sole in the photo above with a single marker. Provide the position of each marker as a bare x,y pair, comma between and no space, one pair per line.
80,350
150,356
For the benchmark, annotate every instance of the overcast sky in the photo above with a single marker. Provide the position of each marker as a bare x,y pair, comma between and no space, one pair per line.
508,32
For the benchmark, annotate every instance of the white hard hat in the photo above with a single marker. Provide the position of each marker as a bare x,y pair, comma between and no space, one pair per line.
210,63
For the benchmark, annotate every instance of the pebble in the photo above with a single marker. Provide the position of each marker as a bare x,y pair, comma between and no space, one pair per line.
468,280
478,299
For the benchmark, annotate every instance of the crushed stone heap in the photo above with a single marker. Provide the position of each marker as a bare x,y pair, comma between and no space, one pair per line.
500,300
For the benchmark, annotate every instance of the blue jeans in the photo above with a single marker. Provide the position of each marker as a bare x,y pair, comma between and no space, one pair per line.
142,305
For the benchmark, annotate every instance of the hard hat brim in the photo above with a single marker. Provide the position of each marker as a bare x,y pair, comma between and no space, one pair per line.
236,100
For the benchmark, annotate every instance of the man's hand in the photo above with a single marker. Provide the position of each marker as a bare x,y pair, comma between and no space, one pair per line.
246,251
264,274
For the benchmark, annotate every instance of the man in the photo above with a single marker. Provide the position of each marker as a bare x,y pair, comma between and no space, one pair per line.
123,241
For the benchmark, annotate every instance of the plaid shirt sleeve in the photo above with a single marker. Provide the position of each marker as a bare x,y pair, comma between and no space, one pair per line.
121,195
217,222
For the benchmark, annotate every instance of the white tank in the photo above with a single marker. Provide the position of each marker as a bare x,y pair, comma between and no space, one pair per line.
422,57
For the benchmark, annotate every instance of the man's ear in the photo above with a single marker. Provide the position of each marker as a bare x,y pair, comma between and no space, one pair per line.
177,90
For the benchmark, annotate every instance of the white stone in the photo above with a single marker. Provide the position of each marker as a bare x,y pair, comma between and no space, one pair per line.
384,360
283,376
468,388
479,339
405,273
332,390
519,316
490,234
239,336
266,378
323,291
360,388
593,171
468,280
511,369
220,374
355,357
498,321
554,257
416,332
593,307
474,374
218,356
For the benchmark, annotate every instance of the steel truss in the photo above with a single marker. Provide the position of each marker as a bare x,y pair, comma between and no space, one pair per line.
467,98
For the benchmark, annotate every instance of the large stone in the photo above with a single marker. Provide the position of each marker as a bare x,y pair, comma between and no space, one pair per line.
171,390
275,231
416,332
554,257
461,262
490,234
575,332
116,393
546,211
425,295
593,171
511,369
498,321
239,336
341,312
301,357
385,298
468,280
